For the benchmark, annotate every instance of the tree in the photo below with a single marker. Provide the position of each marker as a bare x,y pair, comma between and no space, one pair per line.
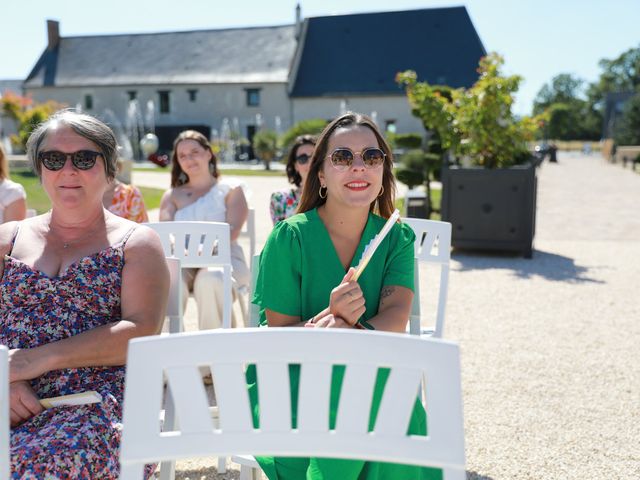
305,127
476,122
564,88
27,114
265,144
621,74
628,130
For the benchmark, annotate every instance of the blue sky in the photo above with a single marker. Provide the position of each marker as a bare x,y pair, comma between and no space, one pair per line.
538,38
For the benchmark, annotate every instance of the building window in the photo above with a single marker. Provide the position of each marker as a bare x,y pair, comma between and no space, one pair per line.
164,100
88,102
390,126
132,94
253,97
192,95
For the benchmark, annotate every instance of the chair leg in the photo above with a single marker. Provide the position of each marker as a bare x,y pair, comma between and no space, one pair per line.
222,464
239,294
249,473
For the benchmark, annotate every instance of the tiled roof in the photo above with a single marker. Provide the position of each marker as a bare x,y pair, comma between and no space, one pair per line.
360,54
243,55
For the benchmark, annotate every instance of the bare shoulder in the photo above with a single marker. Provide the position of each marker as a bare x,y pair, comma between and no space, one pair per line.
236,194
7,232
144,239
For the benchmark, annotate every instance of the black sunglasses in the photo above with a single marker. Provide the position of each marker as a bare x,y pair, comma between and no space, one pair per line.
303,158
55,160
342,158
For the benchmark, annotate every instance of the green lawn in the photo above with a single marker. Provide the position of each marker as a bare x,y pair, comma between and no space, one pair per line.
37,198
152,197
243,172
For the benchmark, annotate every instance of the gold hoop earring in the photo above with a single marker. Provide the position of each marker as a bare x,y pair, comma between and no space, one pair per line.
320,191
381,191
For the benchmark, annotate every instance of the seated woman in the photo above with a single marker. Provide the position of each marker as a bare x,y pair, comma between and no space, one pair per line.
311,256
77,283
198,194
125,200
283,203
13,198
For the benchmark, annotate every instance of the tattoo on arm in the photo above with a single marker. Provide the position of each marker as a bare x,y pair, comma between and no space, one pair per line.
385,292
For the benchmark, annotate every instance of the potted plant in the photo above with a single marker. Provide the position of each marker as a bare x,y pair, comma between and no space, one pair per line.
489,193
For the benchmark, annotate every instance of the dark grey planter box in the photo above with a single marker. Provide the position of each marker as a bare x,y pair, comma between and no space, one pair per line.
490,209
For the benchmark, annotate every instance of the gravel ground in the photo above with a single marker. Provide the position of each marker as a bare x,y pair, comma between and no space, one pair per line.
549,345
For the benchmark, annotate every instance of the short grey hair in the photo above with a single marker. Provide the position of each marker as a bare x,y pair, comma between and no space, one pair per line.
84,125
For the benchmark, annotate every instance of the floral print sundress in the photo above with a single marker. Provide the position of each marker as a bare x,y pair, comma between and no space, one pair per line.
78,442
283,204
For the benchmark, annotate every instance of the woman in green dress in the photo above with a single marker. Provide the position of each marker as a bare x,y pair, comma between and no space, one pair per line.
307,265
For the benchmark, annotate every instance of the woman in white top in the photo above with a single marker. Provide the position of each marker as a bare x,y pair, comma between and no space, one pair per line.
13,198
198,194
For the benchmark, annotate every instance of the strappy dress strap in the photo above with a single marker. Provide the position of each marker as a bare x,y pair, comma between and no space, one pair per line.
122,242
13,239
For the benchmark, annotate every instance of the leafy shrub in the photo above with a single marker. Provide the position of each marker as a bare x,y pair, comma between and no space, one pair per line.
305,127
476,122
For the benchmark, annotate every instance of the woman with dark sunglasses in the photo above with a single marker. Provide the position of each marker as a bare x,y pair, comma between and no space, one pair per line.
76,285
307,265
283,203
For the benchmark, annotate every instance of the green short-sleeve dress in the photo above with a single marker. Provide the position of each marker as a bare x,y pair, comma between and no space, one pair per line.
299,267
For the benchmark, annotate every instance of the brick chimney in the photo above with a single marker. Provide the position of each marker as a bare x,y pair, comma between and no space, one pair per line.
53,34
298,26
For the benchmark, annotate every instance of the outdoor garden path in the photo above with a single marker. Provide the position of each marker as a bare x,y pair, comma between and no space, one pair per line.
550,369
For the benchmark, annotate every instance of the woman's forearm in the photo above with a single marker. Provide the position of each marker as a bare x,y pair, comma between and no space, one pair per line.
102,346
393,319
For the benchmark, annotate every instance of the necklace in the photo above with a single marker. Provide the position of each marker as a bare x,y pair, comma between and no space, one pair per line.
68,243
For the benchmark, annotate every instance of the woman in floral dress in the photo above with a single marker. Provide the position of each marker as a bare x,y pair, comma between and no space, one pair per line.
76,284
284,203
125,200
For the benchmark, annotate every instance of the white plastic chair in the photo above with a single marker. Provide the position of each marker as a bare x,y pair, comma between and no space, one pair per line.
174,305
201,245
4,412
177,359
432,246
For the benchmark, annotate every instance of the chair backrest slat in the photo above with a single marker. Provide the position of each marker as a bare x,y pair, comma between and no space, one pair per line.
358,380
189,395
232,397
401,390
275,408
314,397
